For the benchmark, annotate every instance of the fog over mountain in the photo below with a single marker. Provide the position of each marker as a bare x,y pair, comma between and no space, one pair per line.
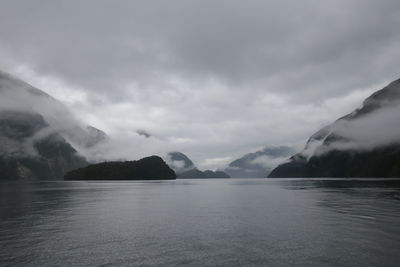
30,151
374,124
39,137
19,96
186,169
215,79
260,163
179,162
364,143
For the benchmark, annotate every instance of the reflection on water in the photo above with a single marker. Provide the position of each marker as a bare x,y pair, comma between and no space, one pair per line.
255,222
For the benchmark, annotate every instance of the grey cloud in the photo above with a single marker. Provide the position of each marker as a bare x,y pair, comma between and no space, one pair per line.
18,96
143,133
269,162
375,124
378,129
270,45
213,78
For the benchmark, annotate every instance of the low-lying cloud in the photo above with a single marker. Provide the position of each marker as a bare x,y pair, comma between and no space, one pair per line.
268,162
378,129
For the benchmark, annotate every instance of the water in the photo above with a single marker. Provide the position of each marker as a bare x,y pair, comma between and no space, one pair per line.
256,222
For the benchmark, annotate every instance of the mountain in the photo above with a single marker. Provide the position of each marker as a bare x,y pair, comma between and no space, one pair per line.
179,162
149,168
30,152
17,95
260,163
364,143
185,168
39,136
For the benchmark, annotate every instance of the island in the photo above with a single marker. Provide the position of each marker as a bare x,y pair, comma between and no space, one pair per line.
149,168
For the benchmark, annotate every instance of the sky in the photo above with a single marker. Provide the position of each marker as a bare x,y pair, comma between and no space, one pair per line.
213,79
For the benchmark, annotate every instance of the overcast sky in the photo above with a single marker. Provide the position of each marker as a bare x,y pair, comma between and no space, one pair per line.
213,79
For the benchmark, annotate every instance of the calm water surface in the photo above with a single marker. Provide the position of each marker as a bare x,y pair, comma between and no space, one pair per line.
234,222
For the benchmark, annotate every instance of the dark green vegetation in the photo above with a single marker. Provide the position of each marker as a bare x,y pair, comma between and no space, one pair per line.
326,161
150,168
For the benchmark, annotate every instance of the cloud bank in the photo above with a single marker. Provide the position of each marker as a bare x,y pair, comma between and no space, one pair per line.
216,79
380,128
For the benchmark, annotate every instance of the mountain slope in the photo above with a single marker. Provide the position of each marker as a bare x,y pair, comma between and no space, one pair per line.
39,136
179,162
260,163
185,168
30,152
364,143
149,168
18,95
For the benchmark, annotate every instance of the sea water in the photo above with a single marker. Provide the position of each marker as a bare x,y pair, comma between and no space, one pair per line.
214,222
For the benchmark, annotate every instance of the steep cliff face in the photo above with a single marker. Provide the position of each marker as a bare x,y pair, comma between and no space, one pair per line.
364,143
39,136
31,151
17,95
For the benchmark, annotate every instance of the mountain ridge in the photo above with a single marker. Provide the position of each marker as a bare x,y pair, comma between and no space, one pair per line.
260,163
29,152
39,136
148,168
335,151
186,169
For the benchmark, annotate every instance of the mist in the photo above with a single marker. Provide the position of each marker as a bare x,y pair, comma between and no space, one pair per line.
378,129
216,80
